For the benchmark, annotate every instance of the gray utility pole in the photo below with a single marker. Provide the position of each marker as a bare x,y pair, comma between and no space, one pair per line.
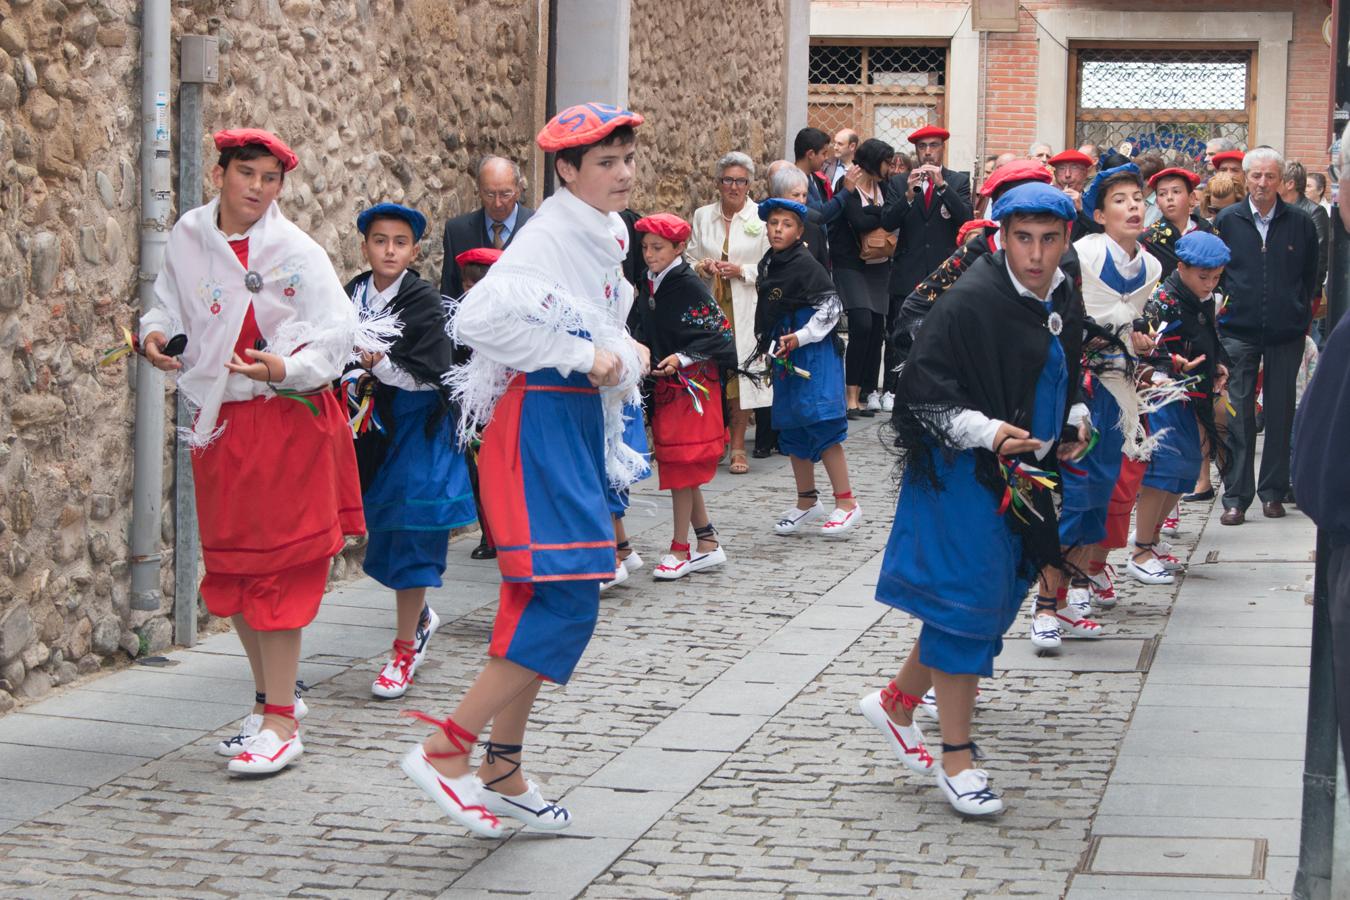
198,64
147,484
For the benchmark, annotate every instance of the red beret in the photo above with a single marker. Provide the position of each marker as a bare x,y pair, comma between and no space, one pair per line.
1227,155
973,225
666,225
1072,157
583,124
1014,172
1192,179
484,256
242,137
929,131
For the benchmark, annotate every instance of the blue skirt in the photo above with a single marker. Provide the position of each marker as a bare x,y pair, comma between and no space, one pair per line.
1176,462
1089,482
419,494
809,441
952,562
803,402
635,436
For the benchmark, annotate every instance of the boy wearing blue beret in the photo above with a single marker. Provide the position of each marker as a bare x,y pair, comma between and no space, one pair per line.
414,479
984,408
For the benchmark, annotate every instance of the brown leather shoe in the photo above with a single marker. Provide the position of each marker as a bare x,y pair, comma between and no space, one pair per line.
1232,516
1272,509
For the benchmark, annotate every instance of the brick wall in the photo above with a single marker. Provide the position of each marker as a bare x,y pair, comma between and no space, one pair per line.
1010,86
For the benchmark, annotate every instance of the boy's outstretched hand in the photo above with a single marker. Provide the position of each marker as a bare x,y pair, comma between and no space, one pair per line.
153,345
266,366
1011,440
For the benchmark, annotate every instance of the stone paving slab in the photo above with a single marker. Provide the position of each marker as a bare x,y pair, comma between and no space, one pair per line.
710,741
83,768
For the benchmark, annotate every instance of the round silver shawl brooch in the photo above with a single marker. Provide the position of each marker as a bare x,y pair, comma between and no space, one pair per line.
1055,323
253,281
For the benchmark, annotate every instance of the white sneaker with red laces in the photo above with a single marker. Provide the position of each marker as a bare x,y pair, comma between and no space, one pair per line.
252,724
671,568
529,807
1073,625
1079,602
906,741
397,675
1163,550
461,799
1171,526
841,522
1104,588
266,752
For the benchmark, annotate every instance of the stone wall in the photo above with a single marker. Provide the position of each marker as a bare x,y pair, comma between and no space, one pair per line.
709,78
382,100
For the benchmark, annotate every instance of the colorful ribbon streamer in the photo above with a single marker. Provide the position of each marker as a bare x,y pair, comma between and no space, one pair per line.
128,346
693,387
1023,479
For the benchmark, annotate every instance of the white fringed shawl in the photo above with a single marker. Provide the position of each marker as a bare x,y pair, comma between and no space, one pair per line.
559,281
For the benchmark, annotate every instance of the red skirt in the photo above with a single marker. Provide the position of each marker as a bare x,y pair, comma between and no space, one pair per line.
276,492
686,445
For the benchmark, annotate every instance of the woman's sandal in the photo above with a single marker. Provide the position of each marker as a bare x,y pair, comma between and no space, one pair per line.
740,463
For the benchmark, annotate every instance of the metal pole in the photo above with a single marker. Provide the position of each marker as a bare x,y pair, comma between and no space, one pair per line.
156,195
1315,855
185,539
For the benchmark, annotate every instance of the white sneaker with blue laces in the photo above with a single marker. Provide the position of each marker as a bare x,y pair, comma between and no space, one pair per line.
529,807
968,792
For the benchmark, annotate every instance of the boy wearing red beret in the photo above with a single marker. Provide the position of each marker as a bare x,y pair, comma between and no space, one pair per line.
553,367
267,329
691,342
473,265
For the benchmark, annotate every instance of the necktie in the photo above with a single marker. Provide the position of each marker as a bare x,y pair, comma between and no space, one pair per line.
497,229
928,195
651,286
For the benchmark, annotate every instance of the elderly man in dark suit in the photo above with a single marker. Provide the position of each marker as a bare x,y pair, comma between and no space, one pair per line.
1270,284
928,207
493,224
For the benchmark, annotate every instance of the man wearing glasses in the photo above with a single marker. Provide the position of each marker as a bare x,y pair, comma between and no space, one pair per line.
491,225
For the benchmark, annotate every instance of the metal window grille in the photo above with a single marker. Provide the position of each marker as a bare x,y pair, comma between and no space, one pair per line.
881,91
1172,100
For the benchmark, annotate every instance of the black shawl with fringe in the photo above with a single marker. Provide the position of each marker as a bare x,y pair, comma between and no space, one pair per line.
983,348
789,280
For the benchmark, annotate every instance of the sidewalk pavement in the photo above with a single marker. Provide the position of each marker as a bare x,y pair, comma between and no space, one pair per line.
709,744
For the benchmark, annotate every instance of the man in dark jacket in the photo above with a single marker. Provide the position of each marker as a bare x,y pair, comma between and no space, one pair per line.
928,207
493,224
1270,284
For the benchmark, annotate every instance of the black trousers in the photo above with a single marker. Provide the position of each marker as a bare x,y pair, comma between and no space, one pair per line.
1338,596
862,360
1279,382
766,436
890,355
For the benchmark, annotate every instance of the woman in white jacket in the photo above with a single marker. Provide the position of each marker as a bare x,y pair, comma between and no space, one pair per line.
726,245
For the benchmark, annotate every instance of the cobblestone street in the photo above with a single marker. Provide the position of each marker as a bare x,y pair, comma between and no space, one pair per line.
709,744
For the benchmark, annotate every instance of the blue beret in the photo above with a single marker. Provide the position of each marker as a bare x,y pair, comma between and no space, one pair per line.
415,219
1090,195
792,206
1033,198
1203,250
